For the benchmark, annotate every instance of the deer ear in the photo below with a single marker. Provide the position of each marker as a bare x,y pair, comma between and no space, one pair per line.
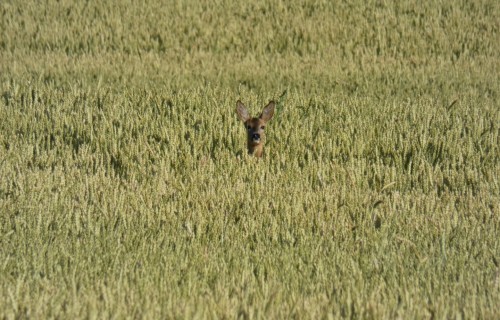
268,111
242,111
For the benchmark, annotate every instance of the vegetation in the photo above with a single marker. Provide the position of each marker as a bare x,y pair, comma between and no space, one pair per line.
126,190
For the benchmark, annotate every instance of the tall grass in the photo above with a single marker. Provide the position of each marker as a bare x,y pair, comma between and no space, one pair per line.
126,191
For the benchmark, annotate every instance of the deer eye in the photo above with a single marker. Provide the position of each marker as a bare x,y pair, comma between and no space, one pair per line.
249,127
262,127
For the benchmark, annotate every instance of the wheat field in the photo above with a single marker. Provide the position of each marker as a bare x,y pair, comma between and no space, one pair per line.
126,190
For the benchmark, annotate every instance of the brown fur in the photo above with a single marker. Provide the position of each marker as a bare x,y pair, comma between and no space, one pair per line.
256,136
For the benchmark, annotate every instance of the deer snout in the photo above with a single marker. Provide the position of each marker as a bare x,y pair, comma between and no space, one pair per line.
256,137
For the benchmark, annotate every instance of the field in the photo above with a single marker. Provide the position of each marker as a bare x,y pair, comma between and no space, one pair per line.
126,190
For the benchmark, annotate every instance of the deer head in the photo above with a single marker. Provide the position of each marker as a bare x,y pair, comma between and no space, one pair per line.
255,127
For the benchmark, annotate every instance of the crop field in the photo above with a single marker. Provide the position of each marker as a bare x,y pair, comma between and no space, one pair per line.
126,190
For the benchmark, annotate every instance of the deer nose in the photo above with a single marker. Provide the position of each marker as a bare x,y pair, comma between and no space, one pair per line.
255,137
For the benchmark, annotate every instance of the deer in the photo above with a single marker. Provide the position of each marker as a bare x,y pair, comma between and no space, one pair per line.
256,136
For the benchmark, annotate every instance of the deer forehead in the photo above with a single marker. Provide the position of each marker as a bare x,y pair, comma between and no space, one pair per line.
255,123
